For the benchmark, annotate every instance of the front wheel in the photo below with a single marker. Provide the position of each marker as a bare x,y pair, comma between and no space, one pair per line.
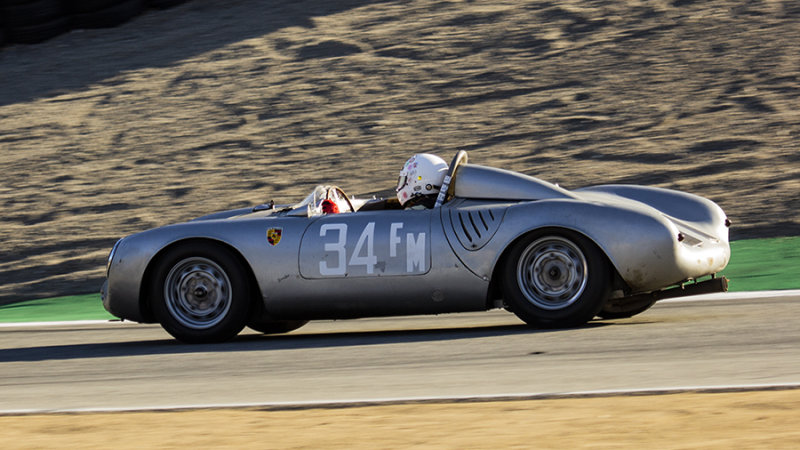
556,280
201,293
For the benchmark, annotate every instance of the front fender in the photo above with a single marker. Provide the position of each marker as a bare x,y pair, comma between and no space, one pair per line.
127,272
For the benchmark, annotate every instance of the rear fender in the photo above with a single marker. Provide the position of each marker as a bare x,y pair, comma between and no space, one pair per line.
643,258
690,211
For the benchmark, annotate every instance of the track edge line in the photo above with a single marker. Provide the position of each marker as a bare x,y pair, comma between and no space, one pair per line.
360,403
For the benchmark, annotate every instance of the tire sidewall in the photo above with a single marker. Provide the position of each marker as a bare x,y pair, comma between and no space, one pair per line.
590,301
236,316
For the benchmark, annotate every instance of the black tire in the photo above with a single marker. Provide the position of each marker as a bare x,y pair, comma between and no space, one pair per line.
35,12
109,17
623,310
276,326
556,279
38,33
201,293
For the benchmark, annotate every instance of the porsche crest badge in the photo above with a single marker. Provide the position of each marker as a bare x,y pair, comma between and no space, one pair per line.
274,235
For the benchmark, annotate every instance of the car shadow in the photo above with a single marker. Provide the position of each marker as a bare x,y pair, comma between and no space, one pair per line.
266,343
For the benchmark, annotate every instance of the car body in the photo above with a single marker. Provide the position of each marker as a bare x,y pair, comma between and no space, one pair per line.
496,238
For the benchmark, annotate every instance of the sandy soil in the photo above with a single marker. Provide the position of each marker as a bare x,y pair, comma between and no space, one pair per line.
206,107
750,420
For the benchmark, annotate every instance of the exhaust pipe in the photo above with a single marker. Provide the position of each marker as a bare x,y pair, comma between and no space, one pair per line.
633,302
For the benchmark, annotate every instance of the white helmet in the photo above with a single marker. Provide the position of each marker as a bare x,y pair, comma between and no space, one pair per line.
422,174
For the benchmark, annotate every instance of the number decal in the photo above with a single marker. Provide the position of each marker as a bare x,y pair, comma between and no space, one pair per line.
394,238
370,260
415,253
337,247
366,249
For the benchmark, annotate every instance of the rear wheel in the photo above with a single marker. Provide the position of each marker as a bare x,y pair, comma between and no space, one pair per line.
554,280
201,293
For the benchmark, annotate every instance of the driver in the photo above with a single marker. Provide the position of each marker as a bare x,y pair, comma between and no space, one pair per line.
418,186
420,181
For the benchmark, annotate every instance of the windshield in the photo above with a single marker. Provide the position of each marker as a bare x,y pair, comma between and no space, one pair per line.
314,198
311,205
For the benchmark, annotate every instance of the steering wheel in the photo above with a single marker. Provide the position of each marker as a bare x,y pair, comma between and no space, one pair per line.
335,192
444,194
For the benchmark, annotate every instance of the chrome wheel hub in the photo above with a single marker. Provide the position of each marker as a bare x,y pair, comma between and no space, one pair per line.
198,293
552,273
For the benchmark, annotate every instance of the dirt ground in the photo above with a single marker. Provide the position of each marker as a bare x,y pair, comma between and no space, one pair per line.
752,420
210,106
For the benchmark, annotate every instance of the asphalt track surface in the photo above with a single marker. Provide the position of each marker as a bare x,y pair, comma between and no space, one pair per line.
731,340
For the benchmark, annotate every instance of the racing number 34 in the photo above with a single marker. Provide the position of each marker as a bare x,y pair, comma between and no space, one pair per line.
363,254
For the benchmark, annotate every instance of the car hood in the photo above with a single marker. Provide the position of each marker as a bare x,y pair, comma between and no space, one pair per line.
240,213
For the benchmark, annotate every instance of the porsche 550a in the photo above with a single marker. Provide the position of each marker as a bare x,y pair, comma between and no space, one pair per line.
494,238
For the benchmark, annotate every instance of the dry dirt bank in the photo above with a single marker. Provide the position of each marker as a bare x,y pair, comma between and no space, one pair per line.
750,420
209,106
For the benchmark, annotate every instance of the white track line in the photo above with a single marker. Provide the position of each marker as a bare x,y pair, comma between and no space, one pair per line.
356,403
57,323
751,295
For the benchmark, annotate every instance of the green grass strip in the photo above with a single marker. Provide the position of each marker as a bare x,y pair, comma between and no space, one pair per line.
74,307
756,265
764,264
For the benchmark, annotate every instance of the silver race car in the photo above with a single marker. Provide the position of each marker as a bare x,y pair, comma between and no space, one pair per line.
494,238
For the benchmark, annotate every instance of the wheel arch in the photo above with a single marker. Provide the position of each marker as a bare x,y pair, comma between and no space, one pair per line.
150,275
496,284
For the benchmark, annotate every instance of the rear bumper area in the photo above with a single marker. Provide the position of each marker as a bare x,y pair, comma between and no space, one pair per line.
695,288
684,290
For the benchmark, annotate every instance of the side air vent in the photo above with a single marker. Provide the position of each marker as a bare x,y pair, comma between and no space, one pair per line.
476,226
